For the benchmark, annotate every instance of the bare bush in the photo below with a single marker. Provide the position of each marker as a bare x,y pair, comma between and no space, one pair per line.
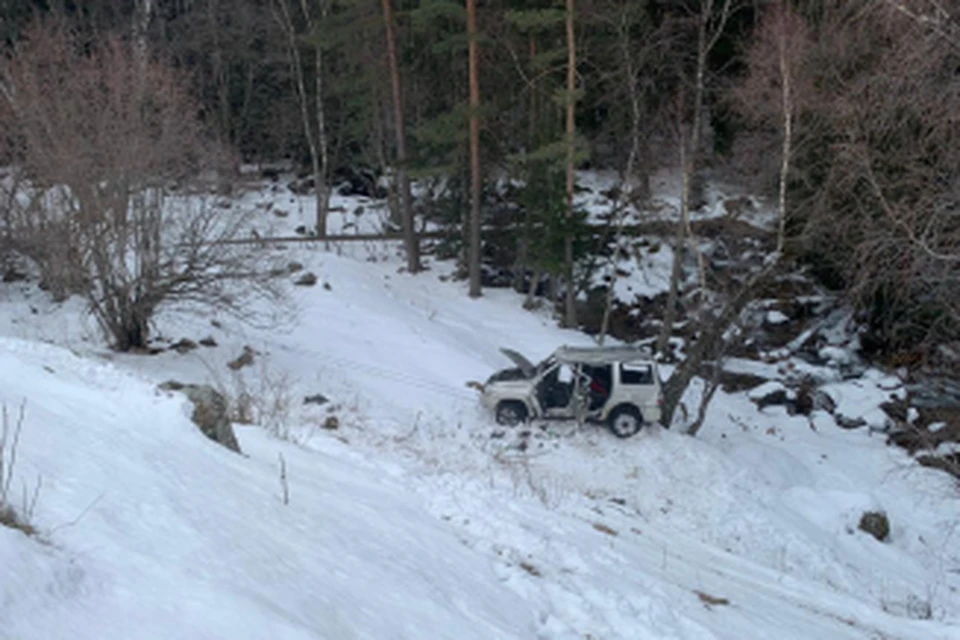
105,139
880,183
264,399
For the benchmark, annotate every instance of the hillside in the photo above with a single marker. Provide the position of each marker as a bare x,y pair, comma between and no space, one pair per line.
411,514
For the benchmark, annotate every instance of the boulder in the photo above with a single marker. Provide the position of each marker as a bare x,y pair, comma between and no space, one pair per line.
318,398
184,345
846,422
876,524
210,412
308,279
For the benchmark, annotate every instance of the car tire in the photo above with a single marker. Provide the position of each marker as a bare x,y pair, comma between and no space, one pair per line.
511,413
625,421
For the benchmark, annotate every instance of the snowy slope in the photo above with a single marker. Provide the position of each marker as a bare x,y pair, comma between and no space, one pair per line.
748,531
155,532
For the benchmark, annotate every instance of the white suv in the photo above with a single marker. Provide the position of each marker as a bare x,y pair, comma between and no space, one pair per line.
616,385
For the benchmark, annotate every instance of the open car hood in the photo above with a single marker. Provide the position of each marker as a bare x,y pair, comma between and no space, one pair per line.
525,365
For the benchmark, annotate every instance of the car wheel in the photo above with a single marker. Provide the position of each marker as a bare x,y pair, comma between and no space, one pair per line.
510,413
625,421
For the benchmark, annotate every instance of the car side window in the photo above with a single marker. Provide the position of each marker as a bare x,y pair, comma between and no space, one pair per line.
636,374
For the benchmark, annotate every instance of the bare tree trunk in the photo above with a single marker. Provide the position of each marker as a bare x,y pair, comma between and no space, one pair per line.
141,25
707,36
319,177
532,289
710,389
627,188
570,314
411,244
475,177
708,343
711,341
786,89
296,67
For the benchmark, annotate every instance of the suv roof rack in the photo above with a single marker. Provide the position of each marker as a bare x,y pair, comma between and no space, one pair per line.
603,355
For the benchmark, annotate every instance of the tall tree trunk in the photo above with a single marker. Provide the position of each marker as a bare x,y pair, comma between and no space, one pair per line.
321,165
708,33
708,344
570,313
296,68
320,179
523,242
785,150
475,177
625,198
532,289
143,14
410,241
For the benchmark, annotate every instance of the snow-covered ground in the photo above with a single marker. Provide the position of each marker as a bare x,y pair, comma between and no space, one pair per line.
417,517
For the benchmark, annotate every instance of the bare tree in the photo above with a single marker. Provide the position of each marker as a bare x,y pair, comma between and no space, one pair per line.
711,21
777,66
777,87
97,209
629,189
314,127
882,192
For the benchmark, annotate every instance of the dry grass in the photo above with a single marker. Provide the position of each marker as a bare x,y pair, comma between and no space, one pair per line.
711,601
258,396
10,519
602,528
15,518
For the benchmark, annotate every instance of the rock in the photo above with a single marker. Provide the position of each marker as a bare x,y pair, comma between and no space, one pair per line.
245,359
209,412
810,399
823,401
281,213
736,207
308,279
949,463
896,409
318,398
208,342
876,524
849,423
332,423
352,181
13,274
770,394
184,345
732,382
778,397
301,187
